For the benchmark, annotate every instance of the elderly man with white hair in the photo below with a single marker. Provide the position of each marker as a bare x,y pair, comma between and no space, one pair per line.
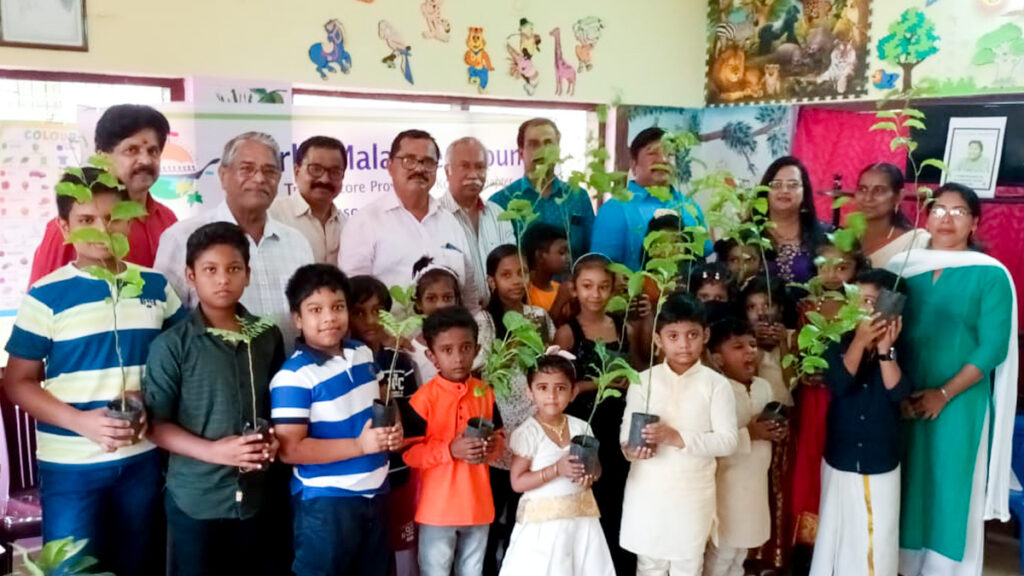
250,171
466,168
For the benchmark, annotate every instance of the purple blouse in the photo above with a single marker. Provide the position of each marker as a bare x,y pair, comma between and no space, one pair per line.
792,263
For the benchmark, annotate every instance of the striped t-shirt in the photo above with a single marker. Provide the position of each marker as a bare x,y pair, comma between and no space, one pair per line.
333,395
67,322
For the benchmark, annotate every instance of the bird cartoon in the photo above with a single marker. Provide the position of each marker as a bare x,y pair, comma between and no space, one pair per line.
884,80
400,50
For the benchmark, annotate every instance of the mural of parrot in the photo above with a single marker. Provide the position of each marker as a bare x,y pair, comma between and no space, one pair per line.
401,52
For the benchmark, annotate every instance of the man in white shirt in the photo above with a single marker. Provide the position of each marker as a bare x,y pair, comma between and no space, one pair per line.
320,165
387,236
250,170
466,167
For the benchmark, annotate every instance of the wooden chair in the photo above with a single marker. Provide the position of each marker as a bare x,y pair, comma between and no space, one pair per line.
21,514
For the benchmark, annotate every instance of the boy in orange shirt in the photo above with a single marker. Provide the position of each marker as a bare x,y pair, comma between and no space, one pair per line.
455,507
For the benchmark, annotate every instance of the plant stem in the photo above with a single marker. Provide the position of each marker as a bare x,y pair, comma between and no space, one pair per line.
391,376
650,362
252,381
115,290
767,274
917,217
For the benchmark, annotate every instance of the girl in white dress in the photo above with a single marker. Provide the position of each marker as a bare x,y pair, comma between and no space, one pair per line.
557,532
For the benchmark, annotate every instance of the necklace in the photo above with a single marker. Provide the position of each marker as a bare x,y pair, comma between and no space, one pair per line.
560,430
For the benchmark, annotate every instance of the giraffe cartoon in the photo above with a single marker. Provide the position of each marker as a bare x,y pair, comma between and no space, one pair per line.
563,70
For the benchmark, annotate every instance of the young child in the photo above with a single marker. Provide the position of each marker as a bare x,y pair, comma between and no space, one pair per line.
762,305
202,397
742,260
508,293
437,287
455,508
668,512
547,257
712,283
98,479
320,402
592,286
859,528
744,518
557,529
369,297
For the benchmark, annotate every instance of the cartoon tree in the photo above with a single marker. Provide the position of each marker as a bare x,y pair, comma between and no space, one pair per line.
1003,47
911,39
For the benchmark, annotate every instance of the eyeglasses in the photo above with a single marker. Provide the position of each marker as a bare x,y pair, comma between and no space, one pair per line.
411,162
954,212
791,185
250,170
316,171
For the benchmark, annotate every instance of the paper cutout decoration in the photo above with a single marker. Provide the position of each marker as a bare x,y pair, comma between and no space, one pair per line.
326,54
588,32
1003,48
884,80
529,41
911,39
563,70
522,46
401,52
477,59
438,27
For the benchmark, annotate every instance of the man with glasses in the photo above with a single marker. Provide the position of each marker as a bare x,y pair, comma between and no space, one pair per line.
389,235
320,165
250,171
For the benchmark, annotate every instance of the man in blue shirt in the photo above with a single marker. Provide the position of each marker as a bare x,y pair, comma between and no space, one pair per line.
621,226
555,203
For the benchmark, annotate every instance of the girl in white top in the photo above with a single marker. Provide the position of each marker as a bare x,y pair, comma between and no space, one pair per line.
744,517
668,512
557,532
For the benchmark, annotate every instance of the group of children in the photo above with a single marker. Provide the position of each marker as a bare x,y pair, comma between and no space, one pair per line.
454,478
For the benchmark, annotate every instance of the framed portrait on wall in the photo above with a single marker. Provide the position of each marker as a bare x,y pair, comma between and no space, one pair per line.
974,149
45,24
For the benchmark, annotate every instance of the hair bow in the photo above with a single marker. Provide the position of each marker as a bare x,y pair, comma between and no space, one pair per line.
557,351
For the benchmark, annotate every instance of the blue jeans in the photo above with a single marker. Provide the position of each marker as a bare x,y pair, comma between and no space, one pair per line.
442,547
341,536
112,506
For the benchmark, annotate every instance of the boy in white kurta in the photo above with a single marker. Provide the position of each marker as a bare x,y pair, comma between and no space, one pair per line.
744,517
669,506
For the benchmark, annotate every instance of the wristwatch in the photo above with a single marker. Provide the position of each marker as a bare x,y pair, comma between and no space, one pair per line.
890,357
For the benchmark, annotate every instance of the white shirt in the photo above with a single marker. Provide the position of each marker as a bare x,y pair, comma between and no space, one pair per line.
324,238
490,232
280,252
384,240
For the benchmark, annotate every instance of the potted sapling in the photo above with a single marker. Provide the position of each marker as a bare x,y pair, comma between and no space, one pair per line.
385,411
507,358
124,282
899,122
611,370
250,328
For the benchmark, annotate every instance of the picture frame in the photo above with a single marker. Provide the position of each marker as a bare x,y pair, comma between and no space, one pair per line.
974,151
44,24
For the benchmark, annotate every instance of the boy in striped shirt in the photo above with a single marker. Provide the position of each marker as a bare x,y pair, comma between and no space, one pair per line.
321,402
98,479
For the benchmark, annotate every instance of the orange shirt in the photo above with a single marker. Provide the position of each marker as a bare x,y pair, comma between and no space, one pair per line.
452,492
543,298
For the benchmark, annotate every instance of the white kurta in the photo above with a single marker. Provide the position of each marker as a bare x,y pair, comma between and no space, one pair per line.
744,519
769,367
564,546
668,511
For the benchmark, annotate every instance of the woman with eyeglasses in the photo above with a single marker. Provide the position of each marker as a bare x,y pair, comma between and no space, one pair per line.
960,324
796,232
888,232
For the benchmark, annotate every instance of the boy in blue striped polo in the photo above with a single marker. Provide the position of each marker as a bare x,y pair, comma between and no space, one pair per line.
321,406
98,480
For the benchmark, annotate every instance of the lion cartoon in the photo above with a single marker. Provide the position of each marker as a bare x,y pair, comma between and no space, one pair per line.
477,59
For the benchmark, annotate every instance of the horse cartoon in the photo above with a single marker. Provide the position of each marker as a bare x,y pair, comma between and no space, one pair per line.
326,54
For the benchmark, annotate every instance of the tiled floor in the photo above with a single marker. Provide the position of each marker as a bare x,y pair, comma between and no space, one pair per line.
1002,552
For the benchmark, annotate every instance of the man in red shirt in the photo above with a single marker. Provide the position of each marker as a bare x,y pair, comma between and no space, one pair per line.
133,136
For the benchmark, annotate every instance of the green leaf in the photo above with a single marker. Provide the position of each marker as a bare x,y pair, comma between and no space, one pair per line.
616,304
127,210
840,202
119,245
81,193
788,360
816,318
101,161
108,180
934,164
760,205
635,285
912,123
886,114
807,335
77,173
617,268
913,113
87,236
890,126
402,296
81,565
815,362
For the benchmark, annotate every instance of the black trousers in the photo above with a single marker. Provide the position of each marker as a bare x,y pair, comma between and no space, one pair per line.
216,547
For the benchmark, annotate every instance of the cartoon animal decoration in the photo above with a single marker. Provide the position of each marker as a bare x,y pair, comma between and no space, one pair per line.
785,28
326,54
733,79
884,80
840,70
438,26
772,81
529,41
477,58
588,32
522,67
816,10
849,24
401,52
563,70
725,35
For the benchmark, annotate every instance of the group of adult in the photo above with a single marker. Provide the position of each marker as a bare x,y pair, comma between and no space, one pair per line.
960,320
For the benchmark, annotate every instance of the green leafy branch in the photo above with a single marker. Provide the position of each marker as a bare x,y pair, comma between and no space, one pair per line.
819,332
740,213
250,329
399,329
611,370
521,214
63,557
511,355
